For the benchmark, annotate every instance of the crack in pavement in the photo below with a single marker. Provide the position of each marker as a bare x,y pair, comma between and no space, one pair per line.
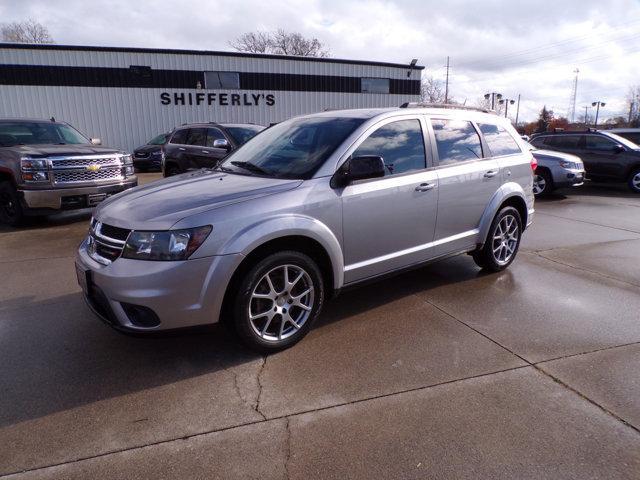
258,378
287,457
587,222
253,403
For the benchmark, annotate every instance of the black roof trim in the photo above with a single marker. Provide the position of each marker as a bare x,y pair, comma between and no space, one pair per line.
87,48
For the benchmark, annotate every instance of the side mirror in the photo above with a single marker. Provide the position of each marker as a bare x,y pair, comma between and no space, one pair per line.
221,143
96,141
618,149
358,168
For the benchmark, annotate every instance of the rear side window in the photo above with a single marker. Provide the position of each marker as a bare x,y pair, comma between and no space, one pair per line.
538,142
400,144
457,141
180,137
197,136
563,141
499,140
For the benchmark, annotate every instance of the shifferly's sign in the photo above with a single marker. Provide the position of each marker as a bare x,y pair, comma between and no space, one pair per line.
223,99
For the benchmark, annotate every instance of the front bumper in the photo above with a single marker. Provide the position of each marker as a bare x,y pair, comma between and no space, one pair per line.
148,162
568,177
80,197
181,294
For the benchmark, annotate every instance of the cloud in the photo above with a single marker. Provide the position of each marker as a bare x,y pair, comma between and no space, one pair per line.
514,47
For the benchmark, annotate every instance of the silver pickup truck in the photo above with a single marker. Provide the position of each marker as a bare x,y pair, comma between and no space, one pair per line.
48,166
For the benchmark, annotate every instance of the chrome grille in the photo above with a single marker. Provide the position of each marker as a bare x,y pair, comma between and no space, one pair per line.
85,162
106,242
83,176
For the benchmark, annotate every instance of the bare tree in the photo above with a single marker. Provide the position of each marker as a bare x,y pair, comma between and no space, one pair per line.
633,103
432,90
253,42
280,42
28,31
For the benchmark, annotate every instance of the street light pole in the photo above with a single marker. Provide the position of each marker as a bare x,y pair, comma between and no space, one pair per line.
493,96
506,102
517,110
597,104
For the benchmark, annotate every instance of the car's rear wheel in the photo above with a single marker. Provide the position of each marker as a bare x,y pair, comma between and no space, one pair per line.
503,241
634,181
11,212
277,301
542,183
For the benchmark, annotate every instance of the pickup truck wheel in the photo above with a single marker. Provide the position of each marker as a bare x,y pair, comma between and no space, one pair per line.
277,301
634,181
11,211
503,241
542,183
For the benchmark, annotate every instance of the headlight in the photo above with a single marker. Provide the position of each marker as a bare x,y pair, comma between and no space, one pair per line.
167,245
127,159
33,164
128,170
565,164
157,153
34,169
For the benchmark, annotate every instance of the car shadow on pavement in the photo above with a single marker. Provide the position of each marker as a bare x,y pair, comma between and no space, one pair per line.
58,355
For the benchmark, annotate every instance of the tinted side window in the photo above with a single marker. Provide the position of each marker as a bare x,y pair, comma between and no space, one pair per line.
499,140
538,141
634,137
180,136
196,136
400,144
564,141
457,141
595,142
212,135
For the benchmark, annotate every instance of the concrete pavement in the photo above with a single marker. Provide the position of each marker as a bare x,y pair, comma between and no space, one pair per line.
443,372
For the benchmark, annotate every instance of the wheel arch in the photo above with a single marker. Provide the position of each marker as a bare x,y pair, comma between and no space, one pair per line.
509,195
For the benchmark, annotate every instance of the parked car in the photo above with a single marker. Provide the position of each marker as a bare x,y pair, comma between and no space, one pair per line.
607,157
555,170
203,145
309,206
149,156
48,166
631,134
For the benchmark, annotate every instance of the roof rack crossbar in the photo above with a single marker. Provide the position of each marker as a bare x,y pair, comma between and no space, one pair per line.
445,105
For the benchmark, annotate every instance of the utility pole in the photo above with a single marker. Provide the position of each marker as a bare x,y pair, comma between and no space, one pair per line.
586,115
631,105
446,85
574,94
597,104
517,110
493,96
506,102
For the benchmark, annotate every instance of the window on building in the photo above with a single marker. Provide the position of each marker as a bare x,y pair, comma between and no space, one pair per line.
457,141
400,144
226,80
499,140
375,85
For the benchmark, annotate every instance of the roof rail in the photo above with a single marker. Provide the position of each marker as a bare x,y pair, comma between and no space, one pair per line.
445,105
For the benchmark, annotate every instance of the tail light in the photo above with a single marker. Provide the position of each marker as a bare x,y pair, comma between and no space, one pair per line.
534,163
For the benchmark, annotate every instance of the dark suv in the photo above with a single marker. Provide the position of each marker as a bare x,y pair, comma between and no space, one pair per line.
203,145
606,156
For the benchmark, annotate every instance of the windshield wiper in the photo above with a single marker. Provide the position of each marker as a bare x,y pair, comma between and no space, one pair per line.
222,169
251,167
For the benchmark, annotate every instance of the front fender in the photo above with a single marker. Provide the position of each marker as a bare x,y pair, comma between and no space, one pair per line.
505,192
250,238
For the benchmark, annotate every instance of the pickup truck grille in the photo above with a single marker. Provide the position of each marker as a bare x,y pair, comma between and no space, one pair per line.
84,176
86,169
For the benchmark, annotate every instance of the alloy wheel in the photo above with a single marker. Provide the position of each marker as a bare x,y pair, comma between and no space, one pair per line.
281,302
539,184
635,181
505,239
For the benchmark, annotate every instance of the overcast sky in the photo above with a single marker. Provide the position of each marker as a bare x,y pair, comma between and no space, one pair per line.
512,47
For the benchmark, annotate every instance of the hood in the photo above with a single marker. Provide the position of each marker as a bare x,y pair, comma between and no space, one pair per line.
148,148
159,205
553,155
62,150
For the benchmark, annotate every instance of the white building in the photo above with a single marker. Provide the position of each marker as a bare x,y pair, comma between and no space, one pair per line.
125,96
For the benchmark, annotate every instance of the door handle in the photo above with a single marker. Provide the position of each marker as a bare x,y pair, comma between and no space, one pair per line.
491,173
182,149
205,151
425,187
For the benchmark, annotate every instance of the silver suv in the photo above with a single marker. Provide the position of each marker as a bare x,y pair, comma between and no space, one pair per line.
309,206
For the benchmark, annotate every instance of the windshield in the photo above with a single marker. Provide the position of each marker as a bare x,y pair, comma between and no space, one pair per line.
39,133
622,141
159,140
295,148
242,135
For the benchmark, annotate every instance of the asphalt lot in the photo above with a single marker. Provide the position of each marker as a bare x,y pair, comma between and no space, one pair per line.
443,372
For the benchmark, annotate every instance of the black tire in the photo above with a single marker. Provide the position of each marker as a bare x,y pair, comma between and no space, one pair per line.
544,183
634,181
11,212
486,258
255,283
171,170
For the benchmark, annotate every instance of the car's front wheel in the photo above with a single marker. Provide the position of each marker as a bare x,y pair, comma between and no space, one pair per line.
634,181
277,301
11,211
503,241
171,170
